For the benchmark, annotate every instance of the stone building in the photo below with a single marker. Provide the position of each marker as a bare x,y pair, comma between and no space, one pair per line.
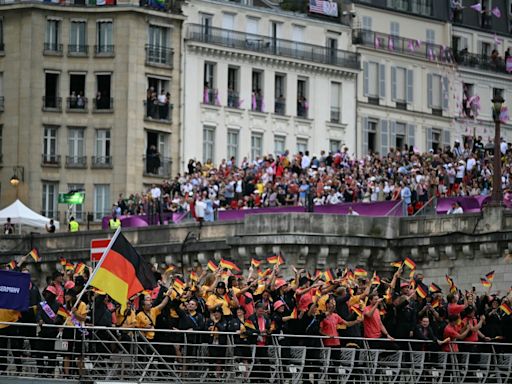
73,116
262,80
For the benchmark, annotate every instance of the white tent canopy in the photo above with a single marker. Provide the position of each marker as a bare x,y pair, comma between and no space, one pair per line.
21,214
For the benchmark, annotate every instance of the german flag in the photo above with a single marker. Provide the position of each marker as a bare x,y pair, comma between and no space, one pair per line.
375,279
490,276
194,276
486,283
411,264
450,282
249,324
123,272
63,312
62,261
396,264
178,285
212,266
388,297
12,264
171,268
35,255
69,267
280,260
435,303
356,310
421,292
434,288
80,268
329,275
294,314
273,259
506,308
229,265
255,263
360,272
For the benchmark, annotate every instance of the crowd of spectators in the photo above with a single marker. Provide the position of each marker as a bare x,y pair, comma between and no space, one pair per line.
464,169
261,302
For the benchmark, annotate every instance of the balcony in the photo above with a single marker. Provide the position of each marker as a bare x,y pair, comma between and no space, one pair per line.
104,50
211,97
76,104
103,105
101,162
2,103
271,46
485,62
335,115
75,50
52,104
401,45
257,104
159,56
52,49
233,99
280,107
157,166
48,160
76,161
157,112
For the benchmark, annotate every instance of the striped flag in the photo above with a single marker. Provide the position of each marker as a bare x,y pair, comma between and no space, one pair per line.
249,324
255,263
35,255
171,268
329,276
506,308
212,266
396,264
356,310
62,261
434,288
63,312
360,272
229,265
421,292
375,279
194,276
295,313
409,263
12,264
435,303
486,283
490,276
70,267
273,259
80,268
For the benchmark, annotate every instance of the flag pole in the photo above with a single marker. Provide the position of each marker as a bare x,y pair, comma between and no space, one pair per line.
105,252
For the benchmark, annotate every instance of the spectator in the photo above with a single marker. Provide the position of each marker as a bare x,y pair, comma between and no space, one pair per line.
456,209
50,228
8,227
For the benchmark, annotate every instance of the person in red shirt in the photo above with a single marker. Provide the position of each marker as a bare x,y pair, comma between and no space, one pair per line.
473,336
453,307
454,332
372,323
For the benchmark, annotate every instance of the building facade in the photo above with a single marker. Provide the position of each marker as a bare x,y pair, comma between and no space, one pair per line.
90,101
480,43
259,80
405,91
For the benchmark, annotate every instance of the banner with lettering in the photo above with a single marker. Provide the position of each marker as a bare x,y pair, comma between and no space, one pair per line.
14,290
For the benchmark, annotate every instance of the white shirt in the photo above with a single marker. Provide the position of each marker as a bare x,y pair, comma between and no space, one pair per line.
503,147
460,171
456,211
162,99
156,193
200,208
470,164
305,162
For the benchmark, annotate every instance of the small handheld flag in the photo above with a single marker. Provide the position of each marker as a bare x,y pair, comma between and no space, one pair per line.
294,314
249,324
409,263
356,310
486,283
506,308
80,268
212,266
255,263
273,259
360,272
421,292
63,312
12,264
69,267
194,276
229,265
171,268
35,255
62,261
434,288
396,264
490,276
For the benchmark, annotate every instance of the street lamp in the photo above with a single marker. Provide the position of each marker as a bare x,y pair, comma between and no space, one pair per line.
497,103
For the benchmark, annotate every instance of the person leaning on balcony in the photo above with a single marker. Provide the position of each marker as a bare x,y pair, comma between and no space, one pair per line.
73,225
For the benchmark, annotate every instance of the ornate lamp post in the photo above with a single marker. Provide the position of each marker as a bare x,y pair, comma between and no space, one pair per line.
497,103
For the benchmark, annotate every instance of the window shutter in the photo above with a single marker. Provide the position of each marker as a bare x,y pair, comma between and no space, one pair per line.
393,83
382,80
410,86
429,139
384,137
429,90
365,135
392,134
446,134
410,134
445,92
365,78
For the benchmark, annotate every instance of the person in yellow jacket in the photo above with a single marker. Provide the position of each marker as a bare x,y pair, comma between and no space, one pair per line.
147,317
8,332
73,225
114,223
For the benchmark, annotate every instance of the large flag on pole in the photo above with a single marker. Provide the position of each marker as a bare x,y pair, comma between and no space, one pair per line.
121,271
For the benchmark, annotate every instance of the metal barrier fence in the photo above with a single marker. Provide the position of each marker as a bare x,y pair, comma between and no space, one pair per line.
99,354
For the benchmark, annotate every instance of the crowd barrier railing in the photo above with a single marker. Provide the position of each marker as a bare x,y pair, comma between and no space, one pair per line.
100,354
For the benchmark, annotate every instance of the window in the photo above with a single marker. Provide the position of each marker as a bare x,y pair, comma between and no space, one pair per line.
394,28
467,93
374,80
431,36
233,87
436,140
257,91
369,135
77,36
1,34
208,143
399,5
400,135
497,92
52,40
104,100
102,151
228,25
157,51
76,210
50,145
49,201
334,145
335,102
436,98
302,145
302,101
279,144
252,26
367,23
275,33
209,94
422,7
51,91
76,148
157,160
206,22
105,37
332,49
401,85
459,43
256,145
232,144
101,201
485,48
76,99
280,94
